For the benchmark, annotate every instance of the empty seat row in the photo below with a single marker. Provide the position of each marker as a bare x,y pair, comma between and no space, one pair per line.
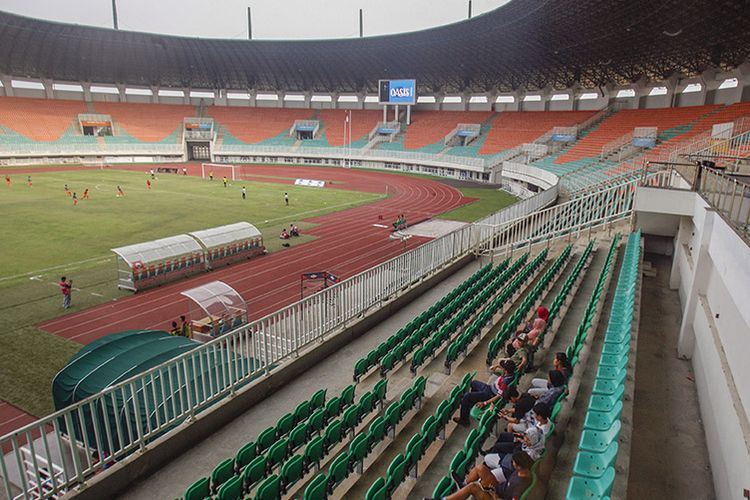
432,341
431,428
429,320
257,459
593,471
324,483
522,311
461,344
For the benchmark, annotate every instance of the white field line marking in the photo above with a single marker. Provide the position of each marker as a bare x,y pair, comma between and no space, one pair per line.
104,258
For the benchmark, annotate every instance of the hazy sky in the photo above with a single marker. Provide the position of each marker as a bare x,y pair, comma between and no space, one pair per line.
272,19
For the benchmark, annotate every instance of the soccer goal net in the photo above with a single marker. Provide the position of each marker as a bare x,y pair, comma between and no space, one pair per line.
219,170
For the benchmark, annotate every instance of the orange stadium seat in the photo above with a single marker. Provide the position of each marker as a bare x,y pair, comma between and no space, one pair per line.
429,127
39,119
513,128
363,121
146,122
252,125
623,122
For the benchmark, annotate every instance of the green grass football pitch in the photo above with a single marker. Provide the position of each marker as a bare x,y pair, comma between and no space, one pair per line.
45,236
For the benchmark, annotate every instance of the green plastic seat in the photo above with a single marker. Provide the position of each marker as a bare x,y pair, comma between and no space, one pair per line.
419,386
387,363
396,473
444,487
298,436
366,404
360,368
458,464
595,464
278,452
376,432
407,400
476,412
473,442
429,429
285,424
316,490
380,389
232,489
607,387
222,473
372,358
269,489
610,372
414,450
316,421
581,488
254,472
302,411
332,434
393,415
313,452
349,419
555,411
266,439
245,455
602,420
357,449
418,359
333,407
601,402
598,441
338,471
377,490
199,490
292,471
318,399
347,396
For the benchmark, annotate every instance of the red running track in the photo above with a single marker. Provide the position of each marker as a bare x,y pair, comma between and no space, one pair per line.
347,243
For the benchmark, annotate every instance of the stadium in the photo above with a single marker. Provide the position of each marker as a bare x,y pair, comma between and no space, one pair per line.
499,258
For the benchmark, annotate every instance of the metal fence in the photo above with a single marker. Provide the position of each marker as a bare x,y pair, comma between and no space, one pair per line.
85,438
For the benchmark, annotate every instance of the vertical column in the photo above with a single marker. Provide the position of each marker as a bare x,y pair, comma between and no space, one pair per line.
281,103
121,92
7,85
361,99
49,90
252,94
220,97
698,285
683,233
86,91
186,95
154,94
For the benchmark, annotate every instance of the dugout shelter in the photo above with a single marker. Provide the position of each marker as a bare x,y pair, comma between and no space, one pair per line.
149,264
215,309
224,245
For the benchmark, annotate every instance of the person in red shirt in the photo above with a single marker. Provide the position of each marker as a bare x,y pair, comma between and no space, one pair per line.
66,287
85,194
75,199
7,180
148,183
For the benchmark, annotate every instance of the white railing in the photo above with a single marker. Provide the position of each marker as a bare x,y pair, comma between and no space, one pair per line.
93,149
530,174
359,154
565,220
616,145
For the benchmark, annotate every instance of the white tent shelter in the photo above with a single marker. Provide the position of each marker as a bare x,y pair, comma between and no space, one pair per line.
152,263
226,244
216,308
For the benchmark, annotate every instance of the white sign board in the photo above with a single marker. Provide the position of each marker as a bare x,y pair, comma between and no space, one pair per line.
310,182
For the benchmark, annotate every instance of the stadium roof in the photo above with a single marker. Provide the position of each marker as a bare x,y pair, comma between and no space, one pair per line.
525,44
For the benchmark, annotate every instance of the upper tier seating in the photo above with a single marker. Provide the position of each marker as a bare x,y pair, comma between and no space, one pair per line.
39,119
363,121
252,125
669,122
145,122
431,127
511,129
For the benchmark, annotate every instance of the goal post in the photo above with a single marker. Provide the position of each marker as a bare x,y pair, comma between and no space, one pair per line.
220,170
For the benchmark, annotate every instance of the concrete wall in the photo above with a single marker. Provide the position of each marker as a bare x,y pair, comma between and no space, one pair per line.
711,271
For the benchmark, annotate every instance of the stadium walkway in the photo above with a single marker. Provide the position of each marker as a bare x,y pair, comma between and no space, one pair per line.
335,373
668,455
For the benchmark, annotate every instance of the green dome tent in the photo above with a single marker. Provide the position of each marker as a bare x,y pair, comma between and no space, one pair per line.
147,401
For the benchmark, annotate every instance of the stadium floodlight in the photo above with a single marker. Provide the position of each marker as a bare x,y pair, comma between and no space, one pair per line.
220,170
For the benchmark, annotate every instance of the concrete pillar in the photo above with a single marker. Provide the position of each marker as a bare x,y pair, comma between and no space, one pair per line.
121,92
281,103
7,85
642,89
154,94
465,98
253,94
439,100
491,97
334,100
361,99
220,97
698,286
186,95
49,91
682,237
86,91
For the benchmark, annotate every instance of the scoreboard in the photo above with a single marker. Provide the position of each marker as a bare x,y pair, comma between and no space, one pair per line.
397,92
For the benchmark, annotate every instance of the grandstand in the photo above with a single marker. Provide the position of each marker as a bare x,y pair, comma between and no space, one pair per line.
627,234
